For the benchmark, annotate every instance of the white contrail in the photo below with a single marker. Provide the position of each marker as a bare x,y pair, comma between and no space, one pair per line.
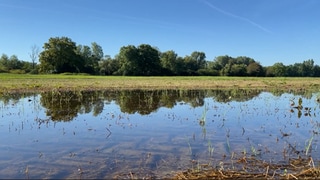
236,16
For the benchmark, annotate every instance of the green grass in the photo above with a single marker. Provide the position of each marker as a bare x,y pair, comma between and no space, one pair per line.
49,82
308,145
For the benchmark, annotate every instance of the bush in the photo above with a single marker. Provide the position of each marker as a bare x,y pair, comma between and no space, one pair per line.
208,72
17,71
69,73
3,70
34,71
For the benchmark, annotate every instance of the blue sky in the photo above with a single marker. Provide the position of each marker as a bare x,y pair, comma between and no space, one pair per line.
268,31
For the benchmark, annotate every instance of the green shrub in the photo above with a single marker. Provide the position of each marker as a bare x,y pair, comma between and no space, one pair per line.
69,73
34,71
3,70
17,71
208,72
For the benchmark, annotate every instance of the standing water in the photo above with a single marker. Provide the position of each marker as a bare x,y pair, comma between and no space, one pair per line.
152,134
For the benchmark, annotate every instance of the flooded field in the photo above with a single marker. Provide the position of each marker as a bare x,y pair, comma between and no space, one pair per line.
154,134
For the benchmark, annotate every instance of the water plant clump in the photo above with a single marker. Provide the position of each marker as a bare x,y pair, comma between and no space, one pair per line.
308,145
202,120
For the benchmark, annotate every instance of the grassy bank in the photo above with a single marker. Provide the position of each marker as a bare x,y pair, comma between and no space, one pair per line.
38,83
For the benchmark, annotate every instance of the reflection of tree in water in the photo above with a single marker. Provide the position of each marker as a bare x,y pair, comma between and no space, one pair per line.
300,92
61,105
91,101
144,102
15,97
66,105
194,97
239,95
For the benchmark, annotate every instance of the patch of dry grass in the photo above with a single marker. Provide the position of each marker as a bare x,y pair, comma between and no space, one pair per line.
39,83
255,169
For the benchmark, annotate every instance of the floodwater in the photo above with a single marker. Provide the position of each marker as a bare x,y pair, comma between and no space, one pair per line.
152,134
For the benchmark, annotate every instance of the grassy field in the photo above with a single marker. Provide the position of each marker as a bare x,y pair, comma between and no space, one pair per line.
39,83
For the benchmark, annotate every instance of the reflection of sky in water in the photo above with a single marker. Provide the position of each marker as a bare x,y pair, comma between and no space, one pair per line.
114,142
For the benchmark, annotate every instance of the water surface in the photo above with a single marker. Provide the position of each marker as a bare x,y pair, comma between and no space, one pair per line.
151,134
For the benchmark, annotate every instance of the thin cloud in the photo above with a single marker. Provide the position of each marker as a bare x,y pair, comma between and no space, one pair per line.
236,16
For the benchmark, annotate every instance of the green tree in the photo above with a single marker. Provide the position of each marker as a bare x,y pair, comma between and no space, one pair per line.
14,63
221,61
307,68
97,51
85,54
180,66
149,60
243,60
292,70
238,70
109,66
97,55
190,66
128,57
90,57
193,63
304,69
169,62
239,66
4,62
200,59
60,56
139,61
254,69
269,71
29,67
316,70
226,70
278,70
298,70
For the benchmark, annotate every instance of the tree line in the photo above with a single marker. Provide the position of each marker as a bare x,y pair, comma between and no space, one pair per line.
62,55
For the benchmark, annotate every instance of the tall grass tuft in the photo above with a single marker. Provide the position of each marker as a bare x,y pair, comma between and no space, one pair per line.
308,145
202,121
190,149
210,148
228,148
